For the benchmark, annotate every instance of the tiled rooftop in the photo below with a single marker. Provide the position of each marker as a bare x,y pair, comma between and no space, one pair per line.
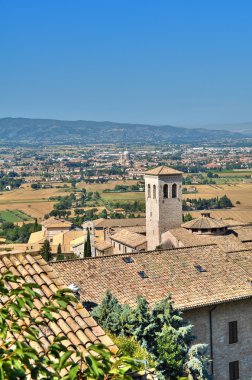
163,170
56,223
75,323
128,222
168,272
126,237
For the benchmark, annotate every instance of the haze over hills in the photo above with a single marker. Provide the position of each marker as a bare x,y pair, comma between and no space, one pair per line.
235,127
72,132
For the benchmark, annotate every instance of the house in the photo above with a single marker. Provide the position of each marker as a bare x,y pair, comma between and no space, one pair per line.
54,226
211,287
126,241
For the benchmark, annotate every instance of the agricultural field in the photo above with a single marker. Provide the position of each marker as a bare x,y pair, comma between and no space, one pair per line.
14,216
239,192
36,203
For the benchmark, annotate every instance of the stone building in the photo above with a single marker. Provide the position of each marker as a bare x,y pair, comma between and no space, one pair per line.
163,198
54,226
211,287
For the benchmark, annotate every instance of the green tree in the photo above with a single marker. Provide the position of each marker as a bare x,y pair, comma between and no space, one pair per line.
108,313
87,246
160,329
187,217
59,252
46,251
23,355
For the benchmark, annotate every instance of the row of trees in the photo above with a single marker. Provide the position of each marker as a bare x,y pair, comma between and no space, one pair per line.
16,234
161,330
206,204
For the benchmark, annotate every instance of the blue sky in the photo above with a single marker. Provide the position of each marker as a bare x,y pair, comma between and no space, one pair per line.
178,62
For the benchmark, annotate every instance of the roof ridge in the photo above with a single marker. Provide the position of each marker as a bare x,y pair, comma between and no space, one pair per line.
138,253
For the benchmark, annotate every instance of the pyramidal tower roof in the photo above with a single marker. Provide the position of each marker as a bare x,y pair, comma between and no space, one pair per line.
163,170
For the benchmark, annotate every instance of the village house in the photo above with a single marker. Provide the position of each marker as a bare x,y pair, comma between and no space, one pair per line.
210,286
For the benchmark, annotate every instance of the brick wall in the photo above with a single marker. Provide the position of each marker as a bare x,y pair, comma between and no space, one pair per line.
223,352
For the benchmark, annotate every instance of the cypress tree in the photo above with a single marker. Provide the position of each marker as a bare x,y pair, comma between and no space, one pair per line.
46,251
87,246
59,252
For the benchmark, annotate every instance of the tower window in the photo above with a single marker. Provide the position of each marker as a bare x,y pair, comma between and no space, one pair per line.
174,190
165,190
149,191
154,192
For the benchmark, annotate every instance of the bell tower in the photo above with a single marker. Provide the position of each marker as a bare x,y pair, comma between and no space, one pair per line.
163,198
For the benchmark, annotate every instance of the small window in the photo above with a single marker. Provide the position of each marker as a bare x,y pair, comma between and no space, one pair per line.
125,249
199,268
149,191
142,274
154,192
165,190
119,247
233,332
174,190
234,370
128,260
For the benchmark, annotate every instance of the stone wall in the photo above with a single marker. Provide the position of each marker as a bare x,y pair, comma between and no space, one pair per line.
162,213
223,353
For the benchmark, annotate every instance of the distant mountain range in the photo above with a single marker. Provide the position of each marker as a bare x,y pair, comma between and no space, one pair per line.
24,130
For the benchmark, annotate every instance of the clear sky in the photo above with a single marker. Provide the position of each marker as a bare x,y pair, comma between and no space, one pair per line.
178,62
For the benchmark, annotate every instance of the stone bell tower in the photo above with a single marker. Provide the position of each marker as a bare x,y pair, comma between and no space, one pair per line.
163,197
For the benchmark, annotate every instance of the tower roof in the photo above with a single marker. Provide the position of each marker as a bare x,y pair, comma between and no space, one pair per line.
163,170
205,222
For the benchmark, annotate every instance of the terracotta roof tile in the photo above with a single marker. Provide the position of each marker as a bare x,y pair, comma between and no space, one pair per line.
163,170
131,239
168,272
75,323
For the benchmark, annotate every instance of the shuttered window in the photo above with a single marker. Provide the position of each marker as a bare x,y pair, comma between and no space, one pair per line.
234,370
233,332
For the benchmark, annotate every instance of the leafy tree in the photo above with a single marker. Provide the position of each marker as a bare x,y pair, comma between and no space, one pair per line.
108,313
23,355
59,251
187,217
197,362
46,251
159,329
87,246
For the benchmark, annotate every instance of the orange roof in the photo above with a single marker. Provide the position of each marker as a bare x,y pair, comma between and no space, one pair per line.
56,223
163,170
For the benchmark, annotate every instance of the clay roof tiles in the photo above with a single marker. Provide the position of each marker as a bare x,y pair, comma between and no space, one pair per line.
56,223
163,170
75,323
205,223
129,238
171,271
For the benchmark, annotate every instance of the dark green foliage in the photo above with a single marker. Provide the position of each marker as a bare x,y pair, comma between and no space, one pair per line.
87,246
17,234
59,250
36,186
187,217
206,204
108,314
46,251
22,359
159,329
